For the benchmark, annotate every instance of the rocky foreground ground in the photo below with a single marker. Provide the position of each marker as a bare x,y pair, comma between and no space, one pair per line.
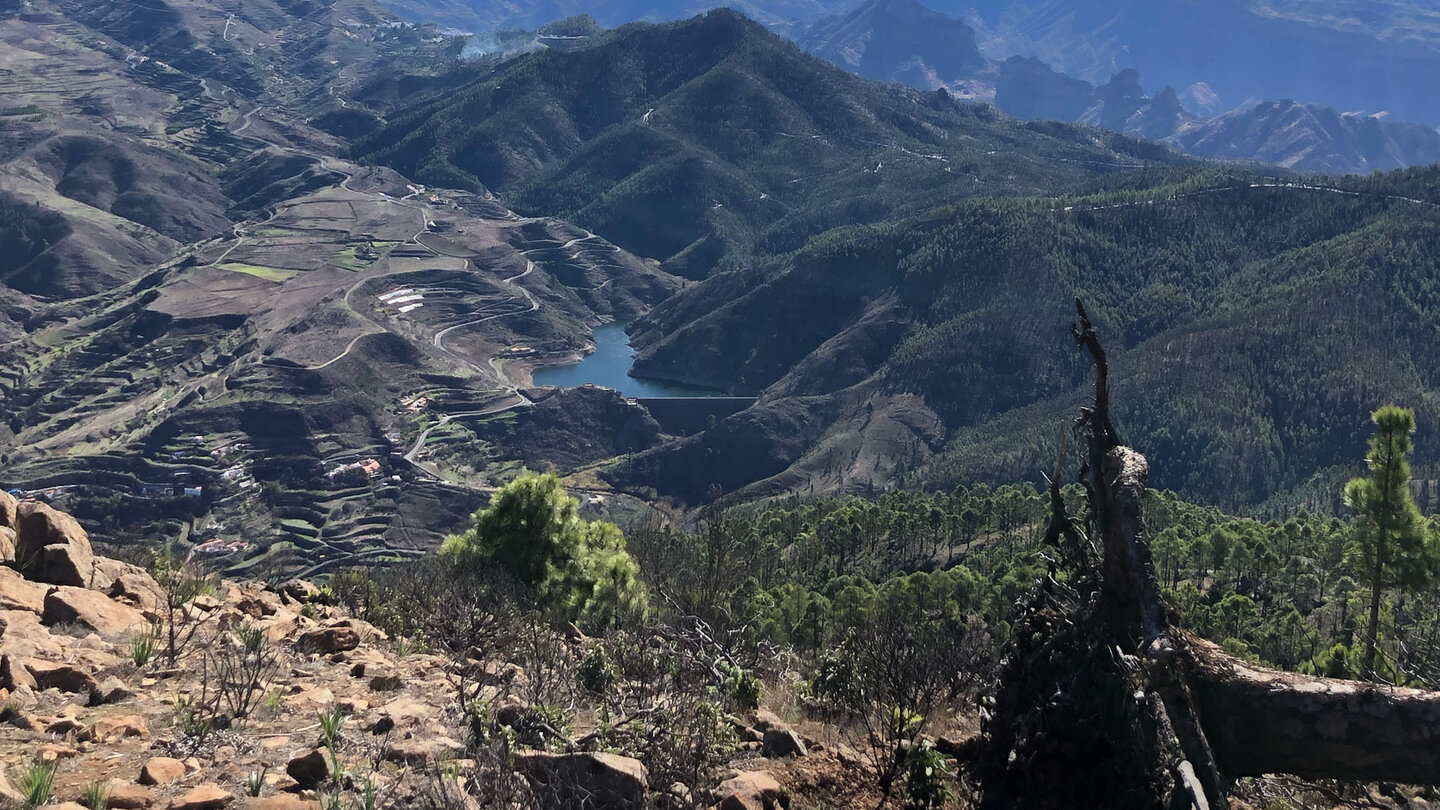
277,700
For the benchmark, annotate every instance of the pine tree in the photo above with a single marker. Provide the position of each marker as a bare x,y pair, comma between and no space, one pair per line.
1392,544
577,567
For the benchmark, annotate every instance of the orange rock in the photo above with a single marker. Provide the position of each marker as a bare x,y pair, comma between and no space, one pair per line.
161,771
109,729
751,790
65,677
7,509
18,593
204,797
284,801
51,752
122,795
56,549
65,605
138,588
327,640
64,725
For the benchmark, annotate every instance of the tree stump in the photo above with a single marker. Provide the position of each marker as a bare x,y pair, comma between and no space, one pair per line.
1103,701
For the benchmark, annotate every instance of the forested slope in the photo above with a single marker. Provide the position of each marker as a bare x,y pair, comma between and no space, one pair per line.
1255,325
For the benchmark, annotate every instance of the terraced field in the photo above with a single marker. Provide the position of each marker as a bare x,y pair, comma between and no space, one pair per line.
224,311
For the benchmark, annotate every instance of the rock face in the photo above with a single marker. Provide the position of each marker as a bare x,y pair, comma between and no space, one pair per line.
593,781
51,546
61,639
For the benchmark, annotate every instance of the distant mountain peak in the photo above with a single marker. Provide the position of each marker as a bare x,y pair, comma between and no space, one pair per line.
1200,100
897,40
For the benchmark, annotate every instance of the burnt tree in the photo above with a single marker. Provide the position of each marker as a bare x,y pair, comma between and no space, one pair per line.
1104,701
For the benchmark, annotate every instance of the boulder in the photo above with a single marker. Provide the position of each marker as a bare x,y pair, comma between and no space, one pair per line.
8,505
325,640
161,771
52,547
258,605
109,729
204,797
55,675
593,780
782,742
7,544
418,751
62,726
22,634
309,769
67,605
51,752
752,790
14,674
386,682
283,801
764,720
28,721
298,591
122,795
111,690
134,586
18,593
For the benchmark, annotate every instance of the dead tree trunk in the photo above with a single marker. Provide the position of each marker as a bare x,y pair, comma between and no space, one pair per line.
1104,702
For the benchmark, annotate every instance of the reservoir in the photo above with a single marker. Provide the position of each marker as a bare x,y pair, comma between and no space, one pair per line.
609,365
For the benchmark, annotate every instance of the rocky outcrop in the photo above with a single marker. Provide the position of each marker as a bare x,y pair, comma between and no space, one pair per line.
598,781
73,693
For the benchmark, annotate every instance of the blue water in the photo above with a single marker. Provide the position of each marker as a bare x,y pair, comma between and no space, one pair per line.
608,366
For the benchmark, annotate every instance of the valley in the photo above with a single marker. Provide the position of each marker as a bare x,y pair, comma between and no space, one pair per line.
358,339
253,380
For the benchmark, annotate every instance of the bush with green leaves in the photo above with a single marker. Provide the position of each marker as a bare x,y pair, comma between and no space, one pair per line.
579,568
927,778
